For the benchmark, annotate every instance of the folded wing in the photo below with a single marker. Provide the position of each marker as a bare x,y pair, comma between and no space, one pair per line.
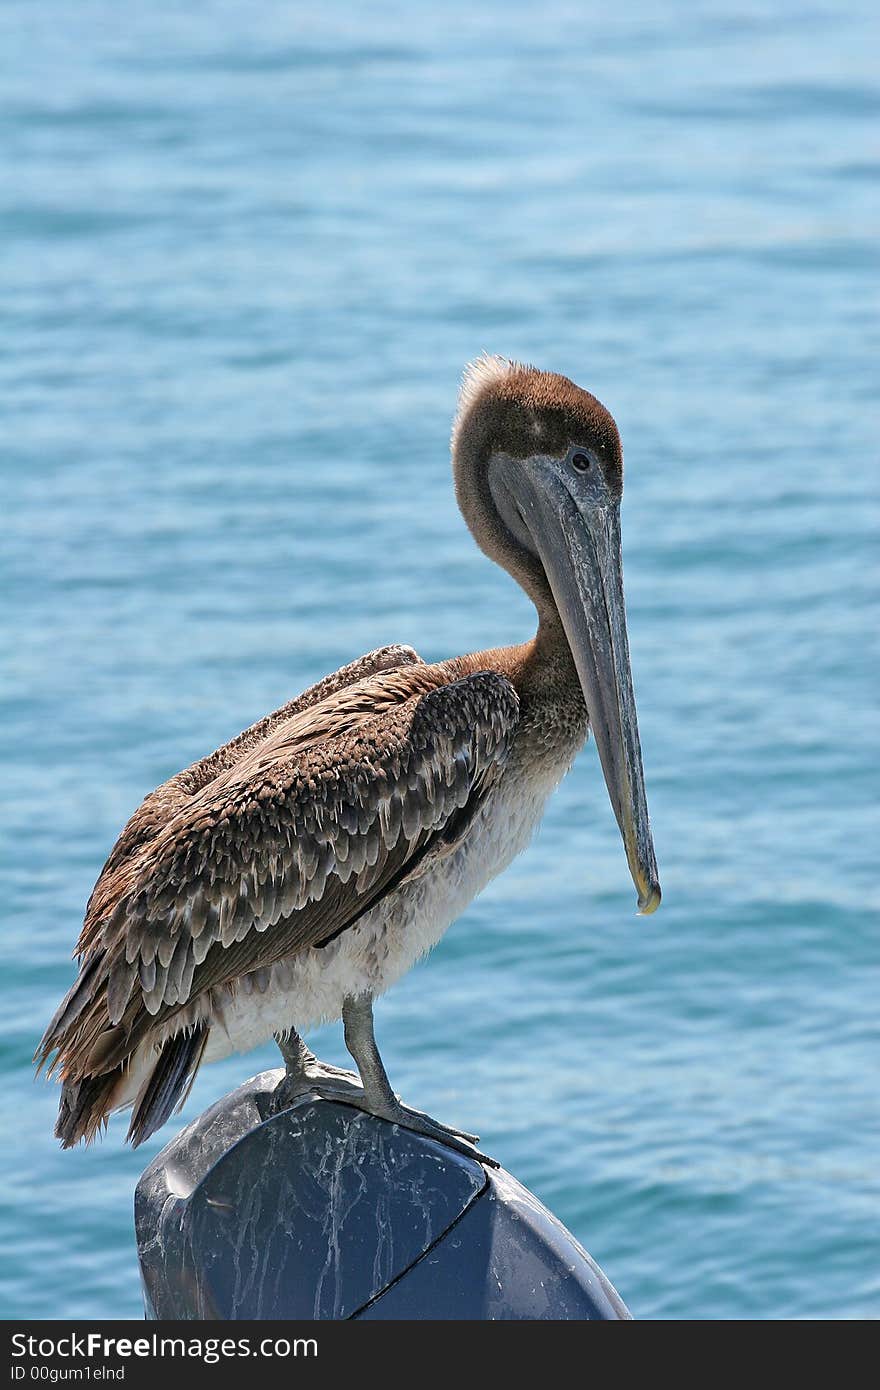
281,849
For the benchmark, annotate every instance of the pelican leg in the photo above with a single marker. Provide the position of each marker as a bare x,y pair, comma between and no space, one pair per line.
377,1097
306,1074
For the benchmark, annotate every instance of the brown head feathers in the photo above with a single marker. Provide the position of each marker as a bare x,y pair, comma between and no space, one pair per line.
520,411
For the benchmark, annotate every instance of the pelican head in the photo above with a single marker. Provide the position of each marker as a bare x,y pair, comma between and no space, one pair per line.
538,475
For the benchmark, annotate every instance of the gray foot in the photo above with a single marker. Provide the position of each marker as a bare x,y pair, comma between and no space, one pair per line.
371,1091
306,1074
399,1114
378,1097
319,1078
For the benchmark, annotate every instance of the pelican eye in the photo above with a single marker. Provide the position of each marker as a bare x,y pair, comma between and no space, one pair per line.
580,462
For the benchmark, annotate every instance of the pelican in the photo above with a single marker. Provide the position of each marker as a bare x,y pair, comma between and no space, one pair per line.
293,875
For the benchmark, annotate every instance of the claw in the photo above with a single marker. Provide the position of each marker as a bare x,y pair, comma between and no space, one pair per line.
438,1124
402,1115
421,1123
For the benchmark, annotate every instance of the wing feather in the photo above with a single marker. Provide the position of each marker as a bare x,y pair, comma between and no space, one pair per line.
157,808
282,849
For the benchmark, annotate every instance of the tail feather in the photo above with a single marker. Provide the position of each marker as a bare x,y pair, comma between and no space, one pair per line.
169,1084
85,1106
87,1103
78,997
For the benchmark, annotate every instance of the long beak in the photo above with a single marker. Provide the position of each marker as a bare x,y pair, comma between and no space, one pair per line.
580,552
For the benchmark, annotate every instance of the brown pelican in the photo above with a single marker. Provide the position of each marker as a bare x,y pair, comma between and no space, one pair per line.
292,876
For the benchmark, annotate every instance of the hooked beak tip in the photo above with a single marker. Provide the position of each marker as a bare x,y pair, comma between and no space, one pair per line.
650,901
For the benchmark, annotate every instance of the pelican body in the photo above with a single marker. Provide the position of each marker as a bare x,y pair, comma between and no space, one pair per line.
295,874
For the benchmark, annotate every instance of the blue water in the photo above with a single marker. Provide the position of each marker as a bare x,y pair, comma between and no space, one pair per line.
246,252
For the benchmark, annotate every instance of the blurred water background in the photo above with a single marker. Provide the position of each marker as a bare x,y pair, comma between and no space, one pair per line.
245,254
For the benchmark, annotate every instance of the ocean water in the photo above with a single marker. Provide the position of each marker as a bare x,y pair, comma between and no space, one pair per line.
246,252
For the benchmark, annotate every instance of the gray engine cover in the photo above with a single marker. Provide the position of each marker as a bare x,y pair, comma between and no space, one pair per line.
320,1211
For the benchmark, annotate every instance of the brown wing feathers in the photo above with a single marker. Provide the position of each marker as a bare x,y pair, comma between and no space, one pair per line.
280,850
160,805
